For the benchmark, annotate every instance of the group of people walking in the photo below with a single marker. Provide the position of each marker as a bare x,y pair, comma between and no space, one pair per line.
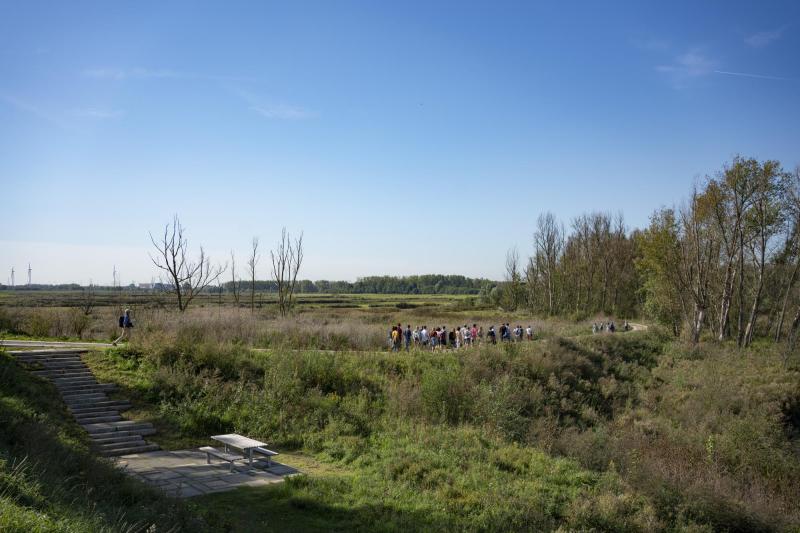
609,326
458,337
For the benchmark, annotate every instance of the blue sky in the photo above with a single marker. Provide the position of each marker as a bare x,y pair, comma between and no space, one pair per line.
400,137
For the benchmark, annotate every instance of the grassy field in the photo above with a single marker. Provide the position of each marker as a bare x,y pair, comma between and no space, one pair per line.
139,298
632,432
353,322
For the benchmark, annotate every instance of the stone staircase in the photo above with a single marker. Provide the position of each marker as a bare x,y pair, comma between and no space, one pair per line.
87,401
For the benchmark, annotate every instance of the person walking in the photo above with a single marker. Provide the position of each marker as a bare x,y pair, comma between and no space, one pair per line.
126,324
492,335
407,336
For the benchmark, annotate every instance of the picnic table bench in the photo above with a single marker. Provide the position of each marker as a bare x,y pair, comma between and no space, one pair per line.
219,454
269,454
245,445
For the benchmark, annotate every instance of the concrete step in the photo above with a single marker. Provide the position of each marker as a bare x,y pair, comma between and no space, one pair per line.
82,395
85,402
94,387
53,375
123,425
63,366
114,439
100,419
128,451
116,404
92,417
73,380
129,443
86,389
93,410
61,351
89,406
60,372
79,383
79,394
113,434
49,357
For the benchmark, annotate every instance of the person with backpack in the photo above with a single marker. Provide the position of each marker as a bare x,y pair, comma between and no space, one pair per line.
126,324
407,337
492,335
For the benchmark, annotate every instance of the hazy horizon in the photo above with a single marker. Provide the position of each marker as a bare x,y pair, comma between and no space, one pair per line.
401,139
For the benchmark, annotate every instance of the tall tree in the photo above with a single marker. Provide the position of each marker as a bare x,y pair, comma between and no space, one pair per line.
730,197
186,277
252,262
791,247
513,285
548,246
658,268
766,219
287,259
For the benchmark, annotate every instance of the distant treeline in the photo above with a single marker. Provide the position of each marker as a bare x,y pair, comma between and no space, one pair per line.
424,284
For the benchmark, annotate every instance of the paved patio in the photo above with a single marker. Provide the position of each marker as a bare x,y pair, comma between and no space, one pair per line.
185,473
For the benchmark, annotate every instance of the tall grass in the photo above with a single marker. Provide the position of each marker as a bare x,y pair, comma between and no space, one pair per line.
667,439
309,328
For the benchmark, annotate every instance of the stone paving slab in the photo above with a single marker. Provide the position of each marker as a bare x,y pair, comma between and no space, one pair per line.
185,473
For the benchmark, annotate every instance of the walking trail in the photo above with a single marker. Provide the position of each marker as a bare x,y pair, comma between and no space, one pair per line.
179,473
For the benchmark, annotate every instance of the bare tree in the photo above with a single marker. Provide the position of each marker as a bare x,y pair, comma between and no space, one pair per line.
88,300
513,287
252,262
286,262
548,243
236,285
186,277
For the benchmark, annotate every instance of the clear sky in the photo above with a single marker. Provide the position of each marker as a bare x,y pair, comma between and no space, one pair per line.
401,137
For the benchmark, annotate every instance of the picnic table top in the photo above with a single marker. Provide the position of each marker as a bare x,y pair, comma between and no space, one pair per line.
238,441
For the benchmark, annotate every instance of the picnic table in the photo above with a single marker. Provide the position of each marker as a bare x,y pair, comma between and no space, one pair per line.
246,445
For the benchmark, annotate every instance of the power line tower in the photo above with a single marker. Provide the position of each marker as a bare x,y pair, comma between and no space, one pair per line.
114,274
29,273
12,277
